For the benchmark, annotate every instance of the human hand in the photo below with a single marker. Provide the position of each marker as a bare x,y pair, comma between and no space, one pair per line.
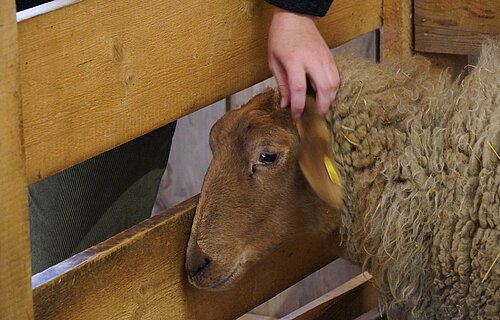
296,51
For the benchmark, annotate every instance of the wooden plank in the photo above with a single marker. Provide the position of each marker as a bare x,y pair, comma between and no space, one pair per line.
15,267
373,314
98,73
251,316
455,26
397,33
309,289
139,274
347,301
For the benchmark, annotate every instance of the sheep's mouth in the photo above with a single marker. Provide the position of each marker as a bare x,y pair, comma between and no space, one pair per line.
223,283
228,281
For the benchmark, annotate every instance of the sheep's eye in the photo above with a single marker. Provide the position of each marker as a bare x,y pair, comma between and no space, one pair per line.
268,158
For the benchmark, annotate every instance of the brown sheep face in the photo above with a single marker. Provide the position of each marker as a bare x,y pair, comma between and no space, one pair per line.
249,202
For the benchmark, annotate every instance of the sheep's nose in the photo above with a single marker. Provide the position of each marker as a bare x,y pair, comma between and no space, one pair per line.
196,260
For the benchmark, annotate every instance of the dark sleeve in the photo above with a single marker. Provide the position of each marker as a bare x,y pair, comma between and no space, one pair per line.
317,8
26,4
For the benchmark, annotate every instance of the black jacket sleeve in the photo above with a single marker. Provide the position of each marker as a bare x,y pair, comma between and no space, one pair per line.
26,4
312,7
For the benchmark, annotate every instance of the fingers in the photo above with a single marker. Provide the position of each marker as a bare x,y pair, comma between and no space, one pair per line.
298,86
292,84
281,77
326,83
296,50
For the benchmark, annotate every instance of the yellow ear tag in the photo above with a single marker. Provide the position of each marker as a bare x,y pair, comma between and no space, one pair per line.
330,168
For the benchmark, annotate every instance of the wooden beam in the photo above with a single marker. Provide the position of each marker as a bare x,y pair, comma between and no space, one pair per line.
15,267
251,316
397,32
98,73
373,314
348,301
139,274
455,26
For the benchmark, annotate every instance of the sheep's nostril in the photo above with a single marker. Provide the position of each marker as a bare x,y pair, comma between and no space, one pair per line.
196,261
202,264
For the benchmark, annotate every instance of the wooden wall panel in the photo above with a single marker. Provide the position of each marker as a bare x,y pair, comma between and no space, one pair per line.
139,274
455,26
15,267
98,73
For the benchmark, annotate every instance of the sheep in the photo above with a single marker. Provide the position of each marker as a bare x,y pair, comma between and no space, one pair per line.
418,156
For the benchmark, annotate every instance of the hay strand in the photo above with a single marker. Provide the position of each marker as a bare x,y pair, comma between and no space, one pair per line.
350,141
494,151
491,267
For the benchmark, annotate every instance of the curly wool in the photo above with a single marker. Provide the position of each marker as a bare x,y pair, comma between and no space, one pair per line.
422,182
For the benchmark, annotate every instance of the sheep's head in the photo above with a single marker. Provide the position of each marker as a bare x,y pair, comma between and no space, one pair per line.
254,196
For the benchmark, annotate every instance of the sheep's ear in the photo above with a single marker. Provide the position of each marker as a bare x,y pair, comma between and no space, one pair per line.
316,157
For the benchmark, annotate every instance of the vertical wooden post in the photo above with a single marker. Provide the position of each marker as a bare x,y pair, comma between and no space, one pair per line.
15,267
397,29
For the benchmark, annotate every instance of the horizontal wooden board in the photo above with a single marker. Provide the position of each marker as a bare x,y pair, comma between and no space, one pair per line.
455,26
251,316
98,73
374,314
15,270
348,301
139,274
